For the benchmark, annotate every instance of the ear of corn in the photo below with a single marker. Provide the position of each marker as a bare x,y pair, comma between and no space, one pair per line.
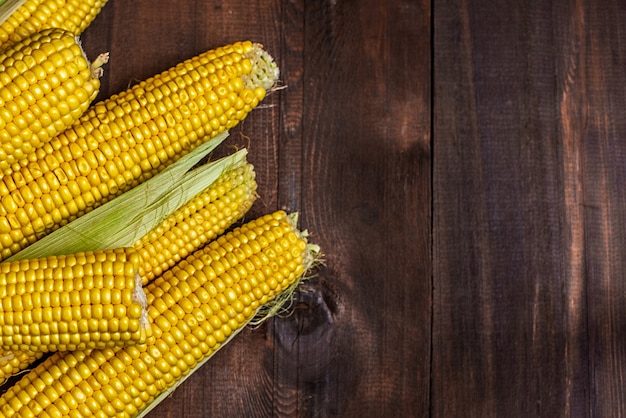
195,307
46,84
198,221
128,138
36,15
79,301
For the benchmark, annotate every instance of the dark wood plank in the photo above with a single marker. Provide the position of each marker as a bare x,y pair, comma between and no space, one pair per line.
528,220
595,99
503,343
366,182
347,144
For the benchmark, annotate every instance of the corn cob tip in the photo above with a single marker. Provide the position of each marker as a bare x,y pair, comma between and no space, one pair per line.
265,70
313,252
313,257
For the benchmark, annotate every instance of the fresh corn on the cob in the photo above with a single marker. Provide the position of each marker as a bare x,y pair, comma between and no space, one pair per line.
35,15
78,301
198,221
46,84
15,361
195,307
130,137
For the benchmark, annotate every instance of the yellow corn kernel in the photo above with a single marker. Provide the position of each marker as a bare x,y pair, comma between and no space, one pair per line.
51,303
49,65
112,150
200,220
194,322
36,15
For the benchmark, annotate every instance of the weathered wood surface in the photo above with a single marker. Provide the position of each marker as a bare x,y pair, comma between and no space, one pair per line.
529,146
462,165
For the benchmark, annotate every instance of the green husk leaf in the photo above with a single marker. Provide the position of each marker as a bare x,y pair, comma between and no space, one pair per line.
193,183
8,7
123,220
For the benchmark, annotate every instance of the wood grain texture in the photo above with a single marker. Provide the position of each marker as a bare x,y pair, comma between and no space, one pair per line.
528,221
600,83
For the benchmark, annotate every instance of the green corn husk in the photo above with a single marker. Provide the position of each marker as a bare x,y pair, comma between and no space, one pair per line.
125,219
8,7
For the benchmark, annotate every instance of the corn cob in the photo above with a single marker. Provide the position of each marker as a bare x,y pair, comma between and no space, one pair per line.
128,138
79,301
46,84
35,15
197,222
195,307
12,362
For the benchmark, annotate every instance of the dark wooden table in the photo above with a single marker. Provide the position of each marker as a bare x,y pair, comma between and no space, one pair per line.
463,166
